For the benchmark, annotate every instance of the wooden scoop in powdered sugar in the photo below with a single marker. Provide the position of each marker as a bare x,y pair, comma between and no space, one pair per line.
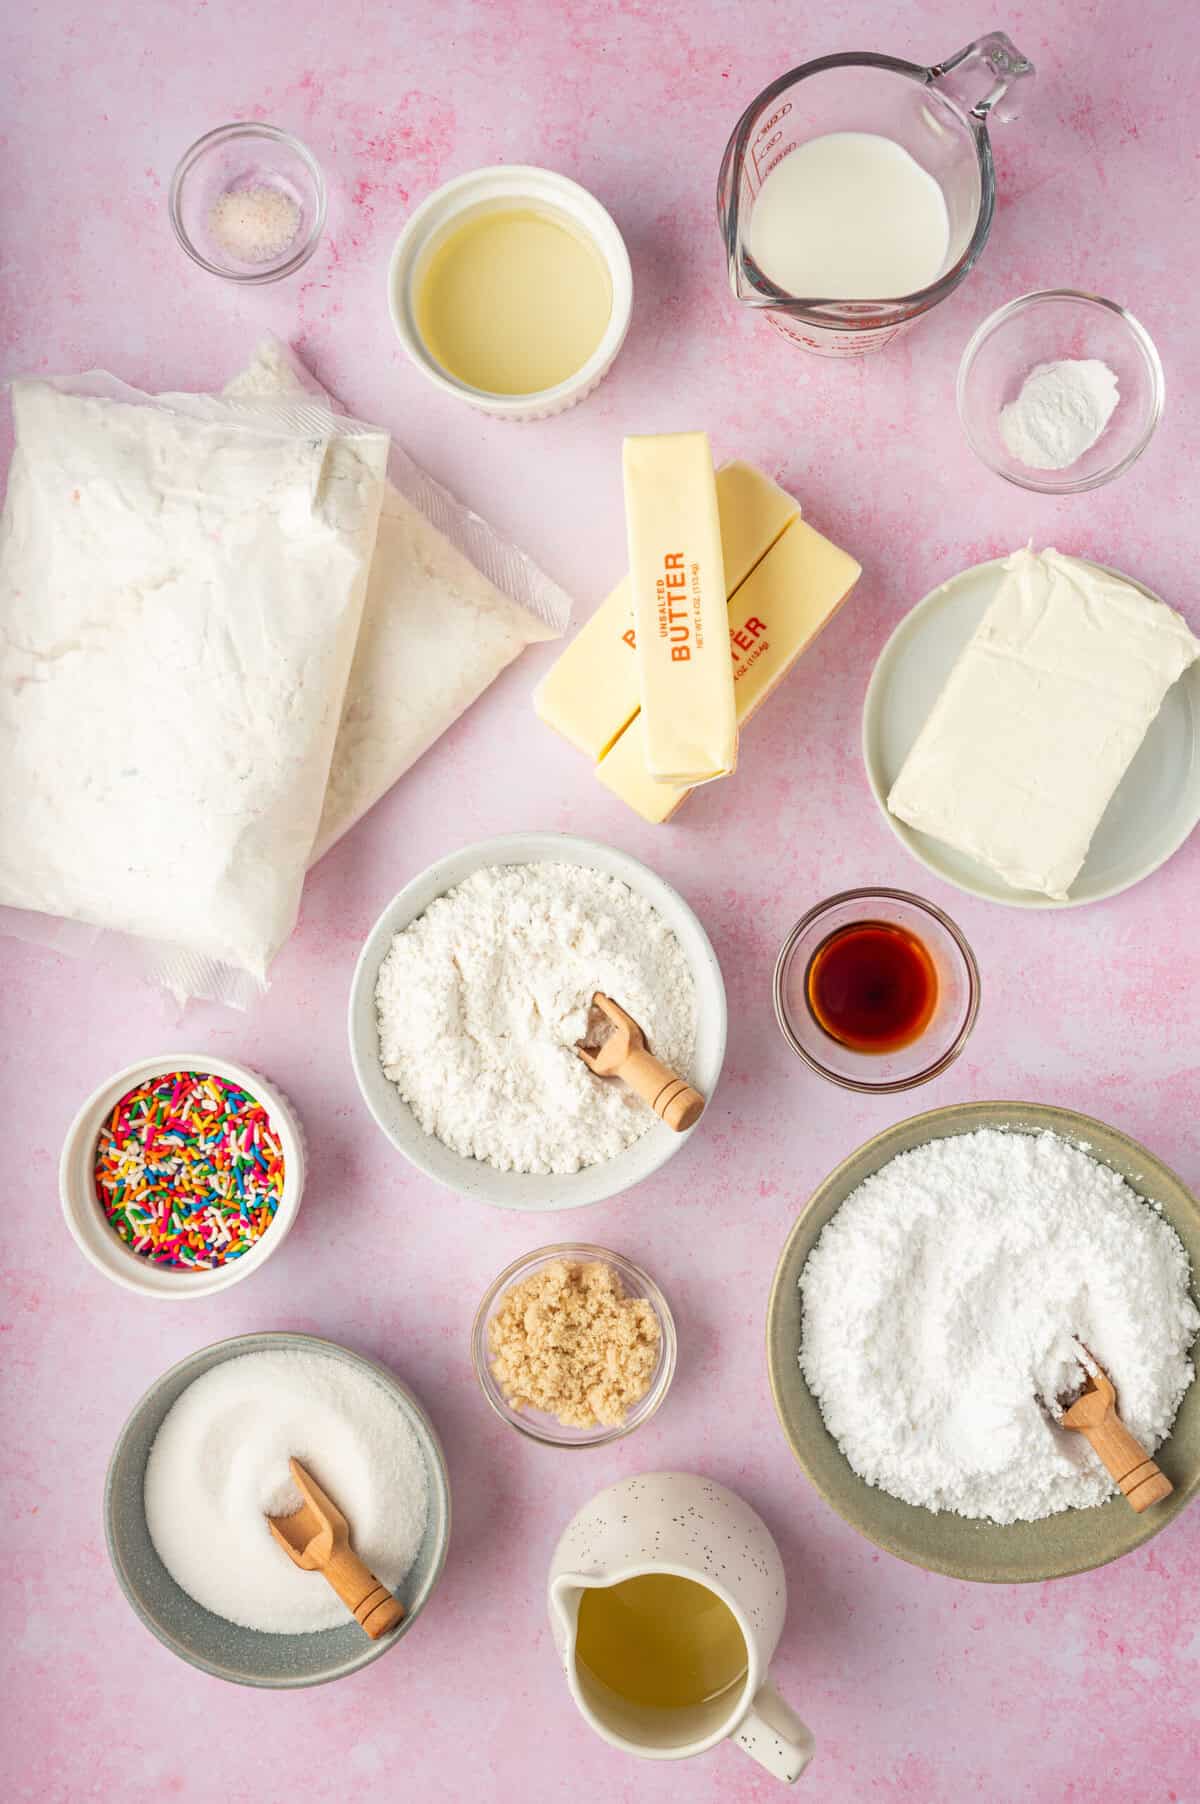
615,1046
1093,1412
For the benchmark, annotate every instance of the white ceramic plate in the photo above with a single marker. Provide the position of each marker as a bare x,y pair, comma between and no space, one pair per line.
470,1177
1155,808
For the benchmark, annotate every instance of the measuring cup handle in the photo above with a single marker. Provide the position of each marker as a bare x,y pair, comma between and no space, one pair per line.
982,78
773,1734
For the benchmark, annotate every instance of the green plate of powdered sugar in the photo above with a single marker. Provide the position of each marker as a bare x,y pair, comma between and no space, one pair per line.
1072,1539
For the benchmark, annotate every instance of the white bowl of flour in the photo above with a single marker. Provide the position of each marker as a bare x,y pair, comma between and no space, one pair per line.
534,920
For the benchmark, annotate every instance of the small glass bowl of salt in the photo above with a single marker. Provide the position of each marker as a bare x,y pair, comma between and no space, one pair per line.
247,202
1060,391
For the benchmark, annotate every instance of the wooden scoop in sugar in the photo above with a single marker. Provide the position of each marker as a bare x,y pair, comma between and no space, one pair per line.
317,1538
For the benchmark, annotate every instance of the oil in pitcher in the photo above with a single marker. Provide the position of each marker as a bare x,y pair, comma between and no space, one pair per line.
666,1642
661,1642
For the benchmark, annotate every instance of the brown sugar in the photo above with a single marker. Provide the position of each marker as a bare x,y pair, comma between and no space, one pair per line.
568,1341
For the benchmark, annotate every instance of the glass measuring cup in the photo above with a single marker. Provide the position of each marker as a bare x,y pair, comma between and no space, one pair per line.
939,114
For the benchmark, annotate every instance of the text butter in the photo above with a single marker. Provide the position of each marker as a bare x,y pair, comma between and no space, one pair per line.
677,577
773,617
591,693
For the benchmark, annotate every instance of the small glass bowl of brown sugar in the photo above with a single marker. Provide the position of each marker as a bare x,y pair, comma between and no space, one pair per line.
574,1346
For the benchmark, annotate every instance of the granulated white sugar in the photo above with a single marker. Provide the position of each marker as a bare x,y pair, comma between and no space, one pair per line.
219,1467
954,1288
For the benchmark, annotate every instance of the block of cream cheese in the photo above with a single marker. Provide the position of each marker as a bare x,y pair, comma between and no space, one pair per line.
774,616
591,693
1040,719
677,576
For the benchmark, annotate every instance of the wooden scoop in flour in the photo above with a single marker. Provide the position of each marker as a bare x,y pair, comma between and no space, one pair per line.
616,1047
317,1538
1094,1414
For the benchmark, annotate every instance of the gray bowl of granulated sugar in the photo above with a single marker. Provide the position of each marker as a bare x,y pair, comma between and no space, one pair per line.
250,1656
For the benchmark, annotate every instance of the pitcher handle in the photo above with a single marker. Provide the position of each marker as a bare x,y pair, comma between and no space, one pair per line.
773,1734
994,59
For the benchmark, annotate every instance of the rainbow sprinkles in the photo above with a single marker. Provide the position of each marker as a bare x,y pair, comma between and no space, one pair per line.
189,1170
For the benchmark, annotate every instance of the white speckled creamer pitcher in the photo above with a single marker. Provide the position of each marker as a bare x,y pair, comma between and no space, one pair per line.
678,1523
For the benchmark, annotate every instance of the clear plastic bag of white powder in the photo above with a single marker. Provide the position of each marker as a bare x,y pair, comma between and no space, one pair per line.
183,583
181,586
449,605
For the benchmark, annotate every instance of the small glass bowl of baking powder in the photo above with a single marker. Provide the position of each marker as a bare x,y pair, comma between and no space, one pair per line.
535,1423
247,203
1060,326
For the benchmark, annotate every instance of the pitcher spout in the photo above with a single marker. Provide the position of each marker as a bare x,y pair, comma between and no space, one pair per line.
565,1595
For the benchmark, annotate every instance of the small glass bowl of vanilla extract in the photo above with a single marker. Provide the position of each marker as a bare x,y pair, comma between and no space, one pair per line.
876,989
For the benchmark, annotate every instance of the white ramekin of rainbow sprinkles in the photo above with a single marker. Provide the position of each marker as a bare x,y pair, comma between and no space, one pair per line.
182,1174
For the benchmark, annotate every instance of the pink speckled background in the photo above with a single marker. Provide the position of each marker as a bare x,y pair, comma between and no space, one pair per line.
918,1688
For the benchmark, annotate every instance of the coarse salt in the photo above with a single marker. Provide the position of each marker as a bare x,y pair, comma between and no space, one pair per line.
254,224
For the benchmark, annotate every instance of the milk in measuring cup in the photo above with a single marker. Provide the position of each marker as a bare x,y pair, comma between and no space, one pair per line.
850,216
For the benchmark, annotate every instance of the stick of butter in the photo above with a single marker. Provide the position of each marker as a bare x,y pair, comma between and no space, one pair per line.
773,617
677,574
591,692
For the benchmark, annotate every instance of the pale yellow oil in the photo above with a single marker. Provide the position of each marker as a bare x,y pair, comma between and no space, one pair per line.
660,1641
513,300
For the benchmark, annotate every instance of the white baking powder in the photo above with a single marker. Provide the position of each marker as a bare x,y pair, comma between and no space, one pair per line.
219,1467
482,999
1060,413
953,1289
